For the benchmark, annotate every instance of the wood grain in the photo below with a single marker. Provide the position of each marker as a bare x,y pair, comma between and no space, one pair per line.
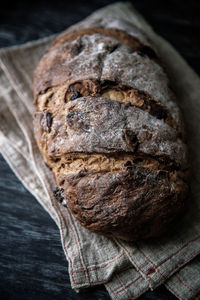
32,263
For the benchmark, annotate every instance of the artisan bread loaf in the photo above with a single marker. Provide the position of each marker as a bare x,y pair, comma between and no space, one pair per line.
108,125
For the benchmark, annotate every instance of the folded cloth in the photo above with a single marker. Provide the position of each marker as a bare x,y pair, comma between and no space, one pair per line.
127,269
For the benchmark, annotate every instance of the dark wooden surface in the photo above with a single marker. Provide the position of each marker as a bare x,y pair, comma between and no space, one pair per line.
32,263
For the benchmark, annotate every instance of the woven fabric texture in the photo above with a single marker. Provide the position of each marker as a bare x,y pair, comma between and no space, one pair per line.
126,269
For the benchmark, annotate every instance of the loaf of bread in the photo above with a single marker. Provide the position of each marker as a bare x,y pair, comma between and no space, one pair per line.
108,125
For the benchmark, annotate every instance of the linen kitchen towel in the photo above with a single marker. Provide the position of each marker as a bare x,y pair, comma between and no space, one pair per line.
127,269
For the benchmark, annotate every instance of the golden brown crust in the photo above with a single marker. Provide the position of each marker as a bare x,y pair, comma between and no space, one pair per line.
117,151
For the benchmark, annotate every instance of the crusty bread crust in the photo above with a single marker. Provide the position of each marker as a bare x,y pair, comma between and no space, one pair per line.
108,125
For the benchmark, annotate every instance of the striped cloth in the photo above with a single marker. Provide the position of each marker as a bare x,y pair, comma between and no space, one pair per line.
126,269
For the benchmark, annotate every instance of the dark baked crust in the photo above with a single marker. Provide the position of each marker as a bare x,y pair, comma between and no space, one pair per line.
72,42
107,124
130,204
